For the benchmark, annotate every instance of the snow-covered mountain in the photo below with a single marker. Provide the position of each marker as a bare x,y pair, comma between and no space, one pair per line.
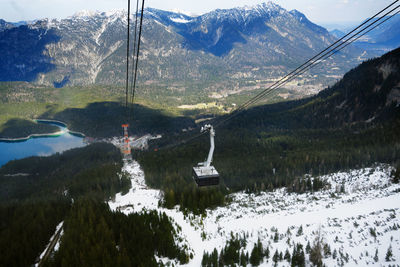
4,25
258,42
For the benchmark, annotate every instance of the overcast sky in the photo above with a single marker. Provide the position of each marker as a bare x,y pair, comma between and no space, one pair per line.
319,11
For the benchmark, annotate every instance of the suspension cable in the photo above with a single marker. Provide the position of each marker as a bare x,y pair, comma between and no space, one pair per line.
127,56
137,51
315,60
310,63
134,51
347,44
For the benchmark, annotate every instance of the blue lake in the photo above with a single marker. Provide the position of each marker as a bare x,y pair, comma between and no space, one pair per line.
40,146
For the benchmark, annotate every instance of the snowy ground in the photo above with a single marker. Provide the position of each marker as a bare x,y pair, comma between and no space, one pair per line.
56,246
356,223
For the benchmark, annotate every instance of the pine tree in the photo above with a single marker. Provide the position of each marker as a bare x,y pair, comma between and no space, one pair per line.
267,252
260,248
255,257
300,231
276,237
214,257
308,184
204,261
376,258
389,254
298,258
221,260
396,175
334,255
275,258
308,247
243,259
327,251
316,250
287,255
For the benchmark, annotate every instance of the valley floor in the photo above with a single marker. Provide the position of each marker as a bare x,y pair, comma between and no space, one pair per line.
356,224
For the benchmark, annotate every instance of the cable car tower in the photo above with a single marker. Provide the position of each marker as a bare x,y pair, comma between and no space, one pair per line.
126,148
204,173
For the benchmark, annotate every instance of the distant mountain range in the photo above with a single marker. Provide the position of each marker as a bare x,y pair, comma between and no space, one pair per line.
382,39
224,46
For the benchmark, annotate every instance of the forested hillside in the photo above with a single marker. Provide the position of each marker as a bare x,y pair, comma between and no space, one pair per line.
104,119
95,236
37,193
16,128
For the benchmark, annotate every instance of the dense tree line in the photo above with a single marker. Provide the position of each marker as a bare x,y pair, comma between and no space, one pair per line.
73,186
26,227
232,254
103,119
31,205
95,236
19,128
90,170
396,174
267,159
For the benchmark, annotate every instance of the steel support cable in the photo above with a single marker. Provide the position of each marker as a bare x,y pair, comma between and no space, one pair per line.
332,52
322,57
184,141
339,40
138,50
285,79
134,51
249,102
336,51
305,67
347,44
127,56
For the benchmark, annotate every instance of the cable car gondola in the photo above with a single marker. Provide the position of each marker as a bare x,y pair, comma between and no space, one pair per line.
204,174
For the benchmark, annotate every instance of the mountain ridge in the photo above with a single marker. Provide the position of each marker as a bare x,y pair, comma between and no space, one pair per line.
223,47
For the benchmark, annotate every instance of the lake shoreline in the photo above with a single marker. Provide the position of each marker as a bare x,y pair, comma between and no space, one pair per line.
55,134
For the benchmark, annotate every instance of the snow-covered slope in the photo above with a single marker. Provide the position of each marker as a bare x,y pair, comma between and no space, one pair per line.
355,223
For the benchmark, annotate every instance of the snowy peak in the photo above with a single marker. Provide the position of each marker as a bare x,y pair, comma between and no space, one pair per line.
4,25
167,17
89,14
85,13
263,8
246,13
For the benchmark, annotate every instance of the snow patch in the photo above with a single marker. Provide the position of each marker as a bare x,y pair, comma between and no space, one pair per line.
369,200
57,245
180,20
